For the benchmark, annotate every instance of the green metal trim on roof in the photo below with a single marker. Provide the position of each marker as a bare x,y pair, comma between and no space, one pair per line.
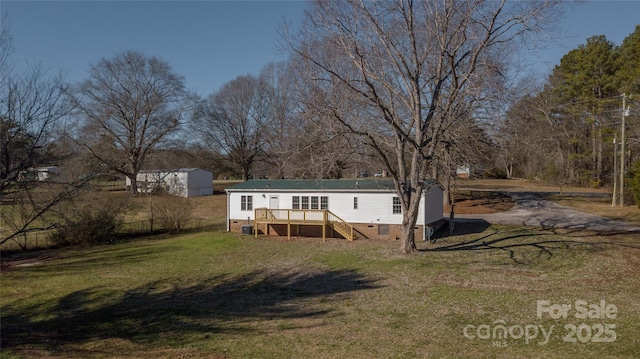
318,185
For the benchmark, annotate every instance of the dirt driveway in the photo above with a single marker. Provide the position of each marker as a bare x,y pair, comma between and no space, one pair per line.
531,209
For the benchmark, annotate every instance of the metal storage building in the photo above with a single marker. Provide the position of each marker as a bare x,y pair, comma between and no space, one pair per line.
183,182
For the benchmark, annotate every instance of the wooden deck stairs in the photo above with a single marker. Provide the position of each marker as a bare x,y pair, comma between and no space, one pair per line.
319,217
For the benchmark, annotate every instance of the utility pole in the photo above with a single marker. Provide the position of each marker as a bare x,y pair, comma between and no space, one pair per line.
614,200
622,151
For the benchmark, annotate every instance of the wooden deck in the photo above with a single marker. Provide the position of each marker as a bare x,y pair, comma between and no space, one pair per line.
289,217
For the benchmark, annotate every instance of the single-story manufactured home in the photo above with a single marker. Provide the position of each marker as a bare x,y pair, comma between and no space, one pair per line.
183,182
349,208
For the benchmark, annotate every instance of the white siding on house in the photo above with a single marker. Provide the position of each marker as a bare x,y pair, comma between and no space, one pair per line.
373,207
433,213
375,202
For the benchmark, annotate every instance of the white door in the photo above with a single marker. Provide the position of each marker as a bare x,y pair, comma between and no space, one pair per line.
274,203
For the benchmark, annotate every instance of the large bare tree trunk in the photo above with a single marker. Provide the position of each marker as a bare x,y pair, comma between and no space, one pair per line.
408,243
409,219
134,183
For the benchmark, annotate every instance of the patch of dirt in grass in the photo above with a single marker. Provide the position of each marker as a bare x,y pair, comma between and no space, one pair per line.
480,202
14,260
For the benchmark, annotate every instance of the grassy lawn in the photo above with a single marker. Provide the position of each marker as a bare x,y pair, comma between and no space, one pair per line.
222,295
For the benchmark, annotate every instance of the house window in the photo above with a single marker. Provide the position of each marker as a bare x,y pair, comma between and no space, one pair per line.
246,203
355,202
296,203
397,208
324,202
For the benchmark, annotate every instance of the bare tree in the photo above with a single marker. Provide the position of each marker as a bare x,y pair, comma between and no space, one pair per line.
33,109
323,151
130,103
5,45
285,126
415,68
235,121
299,142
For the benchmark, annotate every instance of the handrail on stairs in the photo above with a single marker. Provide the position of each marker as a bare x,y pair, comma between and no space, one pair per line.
304,216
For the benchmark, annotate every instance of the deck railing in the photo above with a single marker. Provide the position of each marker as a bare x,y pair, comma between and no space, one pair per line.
321,217
341,226
299,216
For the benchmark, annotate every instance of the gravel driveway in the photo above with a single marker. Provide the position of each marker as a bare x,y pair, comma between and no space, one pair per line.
532,210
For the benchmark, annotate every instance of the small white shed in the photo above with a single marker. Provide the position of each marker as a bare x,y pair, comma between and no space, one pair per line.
370,205
183,182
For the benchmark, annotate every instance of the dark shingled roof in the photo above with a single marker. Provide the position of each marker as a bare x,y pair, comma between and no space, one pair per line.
319,185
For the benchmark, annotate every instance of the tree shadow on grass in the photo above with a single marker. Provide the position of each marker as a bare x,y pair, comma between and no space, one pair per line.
64,261
172,313
526,245
463,226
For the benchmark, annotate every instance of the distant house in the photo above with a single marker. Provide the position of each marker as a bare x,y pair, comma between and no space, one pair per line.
46,173
183,182
362,208
463,171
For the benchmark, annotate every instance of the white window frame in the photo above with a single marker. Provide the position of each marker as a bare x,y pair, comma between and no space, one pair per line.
324,202
397,206
246,203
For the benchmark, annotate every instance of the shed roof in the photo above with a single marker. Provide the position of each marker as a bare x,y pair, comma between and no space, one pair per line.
319,185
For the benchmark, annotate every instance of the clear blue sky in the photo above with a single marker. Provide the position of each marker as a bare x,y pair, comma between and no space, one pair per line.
213,42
